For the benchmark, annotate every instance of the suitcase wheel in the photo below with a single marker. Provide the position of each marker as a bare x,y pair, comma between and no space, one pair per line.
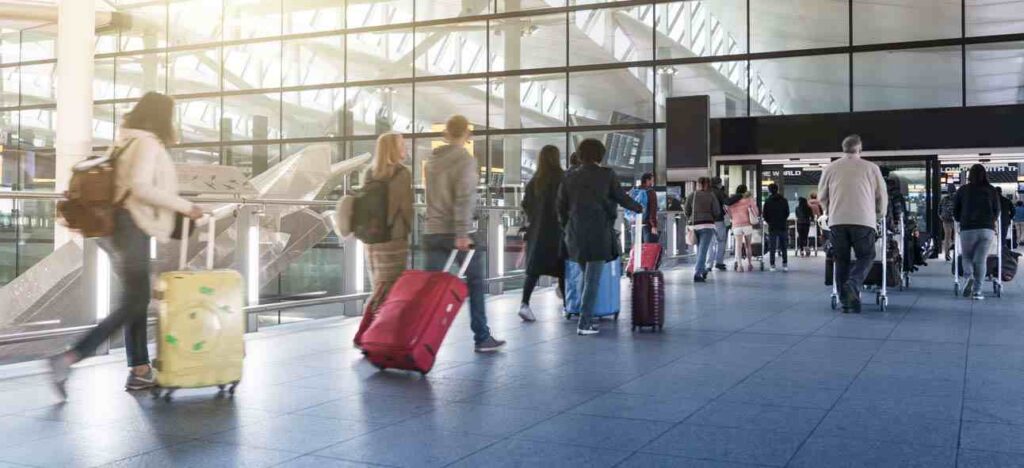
616,317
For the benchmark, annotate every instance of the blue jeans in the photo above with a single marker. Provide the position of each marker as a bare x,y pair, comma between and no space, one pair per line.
129,256
721,241
591,285
777,242
975,244
439,247
704,239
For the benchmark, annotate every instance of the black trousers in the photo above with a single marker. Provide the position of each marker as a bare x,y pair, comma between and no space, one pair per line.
861,239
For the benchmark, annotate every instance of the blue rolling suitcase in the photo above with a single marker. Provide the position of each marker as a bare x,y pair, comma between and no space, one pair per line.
608,297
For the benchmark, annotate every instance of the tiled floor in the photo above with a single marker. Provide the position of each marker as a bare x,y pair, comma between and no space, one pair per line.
752,369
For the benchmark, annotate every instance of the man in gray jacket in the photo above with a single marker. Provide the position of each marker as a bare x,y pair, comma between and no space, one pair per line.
451,176
854,196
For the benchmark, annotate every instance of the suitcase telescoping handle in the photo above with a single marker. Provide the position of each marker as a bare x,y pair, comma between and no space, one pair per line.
638,243
211,233
465,262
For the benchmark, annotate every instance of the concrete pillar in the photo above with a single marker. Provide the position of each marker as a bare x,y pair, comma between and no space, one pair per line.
512,147
353,273
495,250
76,45
247,257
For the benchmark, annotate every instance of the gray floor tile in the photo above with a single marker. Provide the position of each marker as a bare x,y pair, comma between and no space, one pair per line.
86,448
526,453
491,421
783,395
992,437
980,459
621,405
203,454
917,407
595,431
650,460
373,408
763,417
408,446
895,427
294,433
838,452
532,398
995,411
727,444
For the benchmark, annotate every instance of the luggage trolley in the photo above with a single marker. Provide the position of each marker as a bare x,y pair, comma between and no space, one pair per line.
997,278
905,277
956,258
882,295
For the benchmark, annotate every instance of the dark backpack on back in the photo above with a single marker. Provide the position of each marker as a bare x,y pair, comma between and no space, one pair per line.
370,212
89,204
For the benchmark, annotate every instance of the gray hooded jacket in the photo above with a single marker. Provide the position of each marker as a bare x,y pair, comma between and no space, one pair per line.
450,176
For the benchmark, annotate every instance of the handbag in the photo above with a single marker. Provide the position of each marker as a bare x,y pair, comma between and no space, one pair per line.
691,236
754,218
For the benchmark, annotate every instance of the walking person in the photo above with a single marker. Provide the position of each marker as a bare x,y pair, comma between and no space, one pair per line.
741,211
645,195
854,198
776,216
721,240
387,260
451,176
976,206
1018,221
1006,213
804,219
543,232
702,207
587,202
147,184
946,216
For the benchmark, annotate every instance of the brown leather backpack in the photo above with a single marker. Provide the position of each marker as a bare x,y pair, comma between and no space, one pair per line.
90,204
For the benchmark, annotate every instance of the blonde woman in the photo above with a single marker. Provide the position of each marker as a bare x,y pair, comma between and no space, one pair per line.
387,260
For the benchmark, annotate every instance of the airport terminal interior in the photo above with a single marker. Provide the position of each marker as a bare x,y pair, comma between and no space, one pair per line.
278,105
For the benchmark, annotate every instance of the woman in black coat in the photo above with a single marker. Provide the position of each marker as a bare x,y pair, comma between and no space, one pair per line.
543,233
587,203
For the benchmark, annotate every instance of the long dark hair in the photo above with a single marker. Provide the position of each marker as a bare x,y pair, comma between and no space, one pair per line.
549,167
154,113
802,204
977,176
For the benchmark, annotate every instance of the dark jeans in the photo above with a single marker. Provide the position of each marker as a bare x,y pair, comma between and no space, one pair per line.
802,232
129,256
862,240
531,283
591,285
777,241
439,247
645,231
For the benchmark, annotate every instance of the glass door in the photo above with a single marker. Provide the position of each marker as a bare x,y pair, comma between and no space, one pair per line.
738,173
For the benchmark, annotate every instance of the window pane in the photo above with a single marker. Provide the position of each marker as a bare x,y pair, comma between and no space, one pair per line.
102,125
379,109
380,55
630,152
302,16
198,119
905,20
9,86
38,44
591,103
38,84
610,35
36,128
438,9
252,159
907,79
146,25
247,19
10,45
194,21
194,71
477,147
379,12
702,29
801,85
531,42
196,156
529,101
994,74
251,117
519,5
103,79
138,74
435,102
991,17
823,23
451,49
725,83
313,61
515,157
314,113
252,66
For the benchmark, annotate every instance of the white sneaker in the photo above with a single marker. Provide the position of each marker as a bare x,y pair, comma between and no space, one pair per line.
592,330
785,268
773,269
526,313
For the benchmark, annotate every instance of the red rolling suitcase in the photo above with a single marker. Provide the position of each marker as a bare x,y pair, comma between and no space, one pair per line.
650,258
648,293
413,320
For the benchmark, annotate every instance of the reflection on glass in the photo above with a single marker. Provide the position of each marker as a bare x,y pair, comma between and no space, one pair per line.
822,23
194,71
529,42
994,74
907,20
451,49
803,85
380,55
529,101
610,35
907,79
725,83
702,29
252,66
592,103
988,17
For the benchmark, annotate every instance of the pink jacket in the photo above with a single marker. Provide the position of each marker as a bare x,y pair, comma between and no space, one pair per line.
740,212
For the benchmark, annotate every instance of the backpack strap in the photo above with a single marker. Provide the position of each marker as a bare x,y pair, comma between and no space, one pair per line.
115,155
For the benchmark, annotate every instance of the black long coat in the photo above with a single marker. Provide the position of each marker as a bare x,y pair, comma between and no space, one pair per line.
587,203
544,233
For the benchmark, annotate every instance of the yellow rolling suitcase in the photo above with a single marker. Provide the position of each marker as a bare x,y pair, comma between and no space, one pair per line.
200,326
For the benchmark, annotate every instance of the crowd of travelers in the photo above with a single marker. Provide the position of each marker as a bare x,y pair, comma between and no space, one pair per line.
571,215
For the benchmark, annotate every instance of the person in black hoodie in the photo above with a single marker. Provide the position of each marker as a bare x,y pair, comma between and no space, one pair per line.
804,220
776,214
976,206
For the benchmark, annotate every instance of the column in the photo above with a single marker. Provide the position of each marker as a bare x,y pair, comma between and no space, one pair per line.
512,146
76,39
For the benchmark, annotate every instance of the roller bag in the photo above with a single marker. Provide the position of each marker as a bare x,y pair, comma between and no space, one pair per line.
892,273
200,326
830,271
411,324
608,294
647,291
650,258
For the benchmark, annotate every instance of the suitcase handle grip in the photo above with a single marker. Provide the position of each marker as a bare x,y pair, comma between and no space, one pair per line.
638,244
211,226
465,262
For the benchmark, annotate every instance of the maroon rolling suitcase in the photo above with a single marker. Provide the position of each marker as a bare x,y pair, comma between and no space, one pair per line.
413,320
648,293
